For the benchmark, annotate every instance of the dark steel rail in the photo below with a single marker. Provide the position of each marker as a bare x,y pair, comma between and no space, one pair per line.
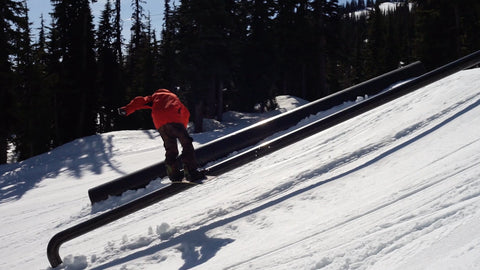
105,218
345,114
315,127
254,134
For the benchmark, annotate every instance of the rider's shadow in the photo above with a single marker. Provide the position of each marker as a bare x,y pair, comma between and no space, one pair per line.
199,248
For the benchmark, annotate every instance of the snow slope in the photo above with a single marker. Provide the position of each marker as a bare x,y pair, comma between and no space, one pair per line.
385,8
395,188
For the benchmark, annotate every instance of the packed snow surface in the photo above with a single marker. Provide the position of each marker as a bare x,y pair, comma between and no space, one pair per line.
397,187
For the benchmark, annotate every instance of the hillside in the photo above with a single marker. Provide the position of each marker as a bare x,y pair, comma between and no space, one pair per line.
395,188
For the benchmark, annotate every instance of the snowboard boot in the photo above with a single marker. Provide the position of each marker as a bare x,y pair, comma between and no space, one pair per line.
174,173
194,175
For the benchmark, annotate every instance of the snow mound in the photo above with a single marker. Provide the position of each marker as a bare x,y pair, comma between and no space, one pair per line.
287,103
284,103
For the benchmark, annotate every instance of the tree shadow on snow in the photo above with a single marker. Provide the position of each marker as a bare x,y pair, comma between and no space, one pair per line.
90,153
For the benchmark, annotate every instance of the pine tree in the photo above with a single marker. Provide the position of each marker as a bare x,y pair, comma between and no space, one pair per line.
258,73
136,52
376,46
353,36
9,23
361,4
324,18
289,28
75,95
370,3
142,65
41,45
445,29
43,102
201,41
469,11
33,99
167,48
117,28
25,92
109,70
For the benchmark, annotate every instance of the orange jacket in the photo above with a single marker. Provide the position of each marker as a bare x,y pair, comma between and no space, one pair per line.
165,105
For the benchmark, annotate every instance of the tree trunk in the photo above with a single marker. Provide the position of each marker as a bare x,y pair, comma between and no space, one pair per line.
3,150
198,120
219,100
304,81
322,67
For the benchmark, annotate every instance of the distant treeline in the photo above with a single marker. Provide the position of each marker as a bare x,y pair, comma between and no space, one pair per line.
66,80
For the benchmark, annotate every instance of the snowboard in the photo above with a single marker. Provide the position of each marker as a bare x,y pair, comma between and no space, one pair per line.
198,182
185,181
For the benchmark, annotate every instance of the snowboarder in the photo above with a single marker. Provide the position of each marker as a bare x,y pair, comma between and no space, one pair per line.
170,118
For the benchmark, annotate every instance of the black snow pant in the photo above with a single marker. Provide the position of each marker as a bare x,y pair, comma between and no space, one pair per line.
170,133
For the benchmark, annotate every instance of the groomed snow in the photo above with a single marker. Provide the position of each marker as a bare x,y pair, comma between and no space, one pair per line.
395,188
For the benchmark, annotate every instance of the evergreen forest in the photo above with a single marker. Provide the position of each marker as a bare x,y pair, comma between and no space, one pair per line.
66,79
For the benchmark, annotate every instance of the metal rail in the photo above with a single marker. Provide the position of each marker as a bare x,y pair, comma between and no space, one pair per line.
254,134
345,114
219,148
105,218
